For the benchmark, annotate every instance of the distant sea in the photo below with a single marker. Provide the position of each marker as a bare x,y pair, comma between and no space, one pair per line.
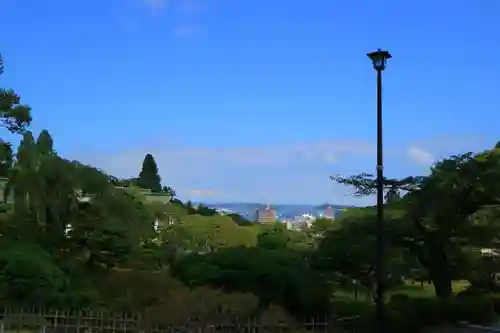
247,210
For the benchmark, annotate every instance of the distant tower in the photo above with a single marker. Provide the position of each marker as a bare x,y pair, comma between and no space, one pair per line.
267,215
329,213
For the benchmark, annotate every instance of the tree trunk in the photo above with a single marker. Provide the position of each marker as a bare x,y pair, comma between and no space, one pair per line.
440,272
442,286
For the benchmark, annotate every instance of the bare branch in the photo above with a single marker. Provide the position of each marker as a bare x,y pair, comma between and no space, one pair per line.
366,184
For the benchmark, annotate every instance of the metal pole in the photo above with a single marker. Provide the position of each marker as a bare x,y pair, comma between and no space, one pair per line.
380,273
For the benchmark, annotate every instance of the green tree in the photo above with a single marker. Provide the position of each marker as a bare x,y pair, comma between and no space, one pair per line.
321,225
205,211
239,220
45,144
23,176
273,237
6,158
149,177
347,250
190,208
74,212
444,212
279,277
29,276
168,190
366,184
15,117
438,224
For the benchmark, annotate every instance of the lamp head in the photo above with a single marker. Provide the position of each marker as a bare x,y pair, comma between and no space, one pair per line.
379,59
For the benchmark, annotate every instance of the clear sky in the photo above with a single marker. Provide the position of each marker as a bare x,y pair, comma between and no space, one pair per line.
255,100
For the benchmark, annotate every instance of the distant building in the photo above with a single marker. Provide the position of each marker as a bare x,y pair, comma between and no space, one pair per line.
267,215
329,213
304,221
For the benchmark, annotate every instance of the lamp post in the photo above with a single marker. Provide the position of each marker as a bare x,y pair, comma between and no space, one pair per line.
379,59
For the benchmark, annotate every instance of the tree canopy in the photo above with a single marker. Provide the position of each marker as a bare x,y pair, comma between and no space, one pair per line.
149,177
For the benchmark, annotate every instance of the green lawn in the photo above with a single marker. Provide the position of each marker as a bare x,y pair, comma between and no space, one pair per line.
412,290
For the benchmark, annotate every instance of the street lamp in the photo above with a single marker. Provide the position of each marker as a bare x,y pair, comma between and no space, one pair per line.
379,60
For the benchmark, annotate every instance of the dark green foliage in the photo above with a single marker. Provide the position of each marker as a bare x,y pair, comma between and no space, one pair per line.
45,144
199,209
274,276
6,158
190,208
137,296
15,117
168,190
239,220
444,215
149,177
28,275
273,238
204,210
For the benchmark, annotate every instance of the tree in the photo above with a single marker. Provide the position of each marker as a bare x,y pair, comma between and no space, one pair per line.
442,212
273,238
23,176
45,144
239,220
321,225
168,190
149,177
205,211
438,209
15,117
190,207
73,211
6,158
28,275
366,184
347,250
279,277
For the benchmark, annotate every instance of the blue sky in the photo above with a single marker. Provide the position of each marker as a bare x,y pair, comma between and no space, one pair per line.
255,100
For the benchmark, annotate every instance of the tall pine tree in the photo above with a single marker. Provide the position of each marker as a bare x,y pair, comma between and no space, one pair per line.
23,177
149,177
45,144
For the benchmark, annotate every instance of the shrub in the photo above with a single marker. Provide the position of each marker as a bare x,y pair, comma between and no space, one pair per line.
123,290
478,309
29,276
417,312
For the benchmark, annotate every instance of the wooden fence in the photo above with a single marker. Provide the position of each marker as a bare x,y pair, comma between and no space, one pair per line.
22,320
